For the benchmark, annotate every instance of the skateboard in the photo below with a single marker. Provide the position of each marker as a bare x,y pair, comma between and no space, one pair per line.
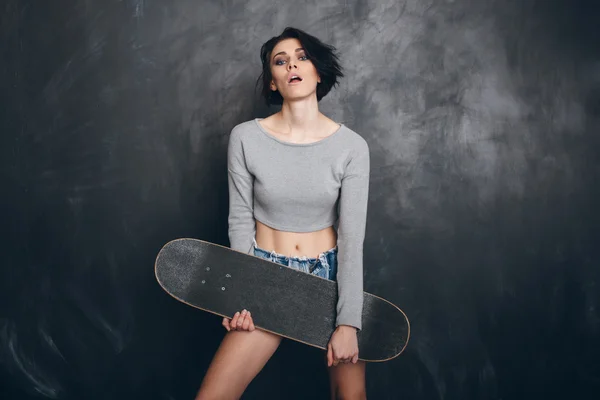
285,301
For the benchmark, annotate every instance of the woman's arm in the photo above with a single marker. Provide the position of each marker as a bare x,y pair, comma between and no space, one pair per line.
242,226
351,232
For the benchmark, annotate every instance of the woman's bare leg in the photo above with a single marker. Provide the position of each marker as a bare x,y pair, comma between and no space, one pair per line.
240,357
347,381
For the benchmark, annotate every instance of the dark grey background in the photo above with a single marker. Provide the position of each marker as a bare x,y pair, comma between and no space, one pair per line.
482,120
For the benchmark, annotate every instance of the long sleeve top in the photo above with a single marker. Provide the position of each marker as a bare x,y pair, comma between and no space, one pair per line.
303,187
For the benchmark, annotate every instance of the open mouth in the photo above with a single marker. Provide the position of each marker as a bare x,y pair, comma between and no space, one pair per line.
294,79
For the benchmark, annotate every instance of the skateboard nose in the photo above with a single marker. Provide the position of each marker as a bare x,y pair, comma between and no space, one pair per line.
179,268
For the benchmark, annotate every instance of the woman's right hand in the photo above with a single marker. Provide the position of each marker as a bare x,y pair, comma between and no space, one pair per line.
240,322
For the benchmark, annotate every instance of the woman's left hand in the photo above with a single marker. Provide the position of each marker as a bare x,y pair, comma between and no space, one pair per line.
343,346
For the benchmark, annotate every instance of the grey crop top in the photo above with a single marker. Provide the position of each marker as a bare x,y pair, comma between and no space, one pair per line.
303,188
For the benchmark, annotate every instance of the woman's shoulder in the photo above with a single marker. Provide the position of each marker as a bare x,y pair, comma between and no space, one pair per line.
243,131
355,140
245,126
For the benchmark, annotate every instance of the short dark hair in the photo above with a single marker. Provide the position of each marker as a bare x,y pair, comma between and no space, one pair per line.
320,54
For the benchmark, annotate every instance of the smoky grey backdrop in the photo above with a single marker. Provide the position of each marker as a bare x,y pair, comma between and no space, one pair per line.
482,119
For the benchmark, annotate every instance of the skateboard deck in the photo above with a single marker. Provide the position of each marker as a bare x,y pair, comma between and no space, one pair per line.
283,300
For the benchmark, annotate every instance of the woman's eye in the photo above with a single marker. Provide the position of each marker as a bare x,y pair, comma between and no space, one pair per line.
281,61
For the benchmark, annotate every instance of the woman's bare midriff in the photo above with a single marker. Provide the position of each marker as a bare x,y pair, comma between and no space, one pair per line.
294,244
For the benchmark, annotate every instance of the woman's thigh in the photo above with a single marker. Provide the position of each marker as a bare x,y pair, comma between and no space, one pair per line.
347,381
239,358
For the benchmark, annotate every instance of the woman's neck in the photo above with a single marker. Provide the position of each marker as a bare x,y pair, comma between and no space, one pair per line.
301,118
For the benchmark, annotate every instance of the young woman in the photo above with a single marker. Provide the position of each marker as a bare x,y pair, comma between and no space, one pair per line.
298,187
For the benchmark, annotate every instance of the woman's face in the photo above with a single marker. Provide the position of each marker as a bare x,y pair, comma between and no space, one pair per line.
288,61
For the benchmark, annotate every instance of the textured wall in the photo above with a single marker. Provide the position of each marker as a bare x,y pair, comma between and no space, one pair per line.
483,223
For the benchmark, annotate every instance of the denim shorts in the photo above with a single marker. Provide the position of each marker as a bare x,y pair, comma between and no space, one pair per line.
324,265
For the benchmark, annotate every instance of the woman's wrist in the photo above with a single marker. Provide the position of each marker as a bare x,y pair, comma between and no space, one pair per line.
347,327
